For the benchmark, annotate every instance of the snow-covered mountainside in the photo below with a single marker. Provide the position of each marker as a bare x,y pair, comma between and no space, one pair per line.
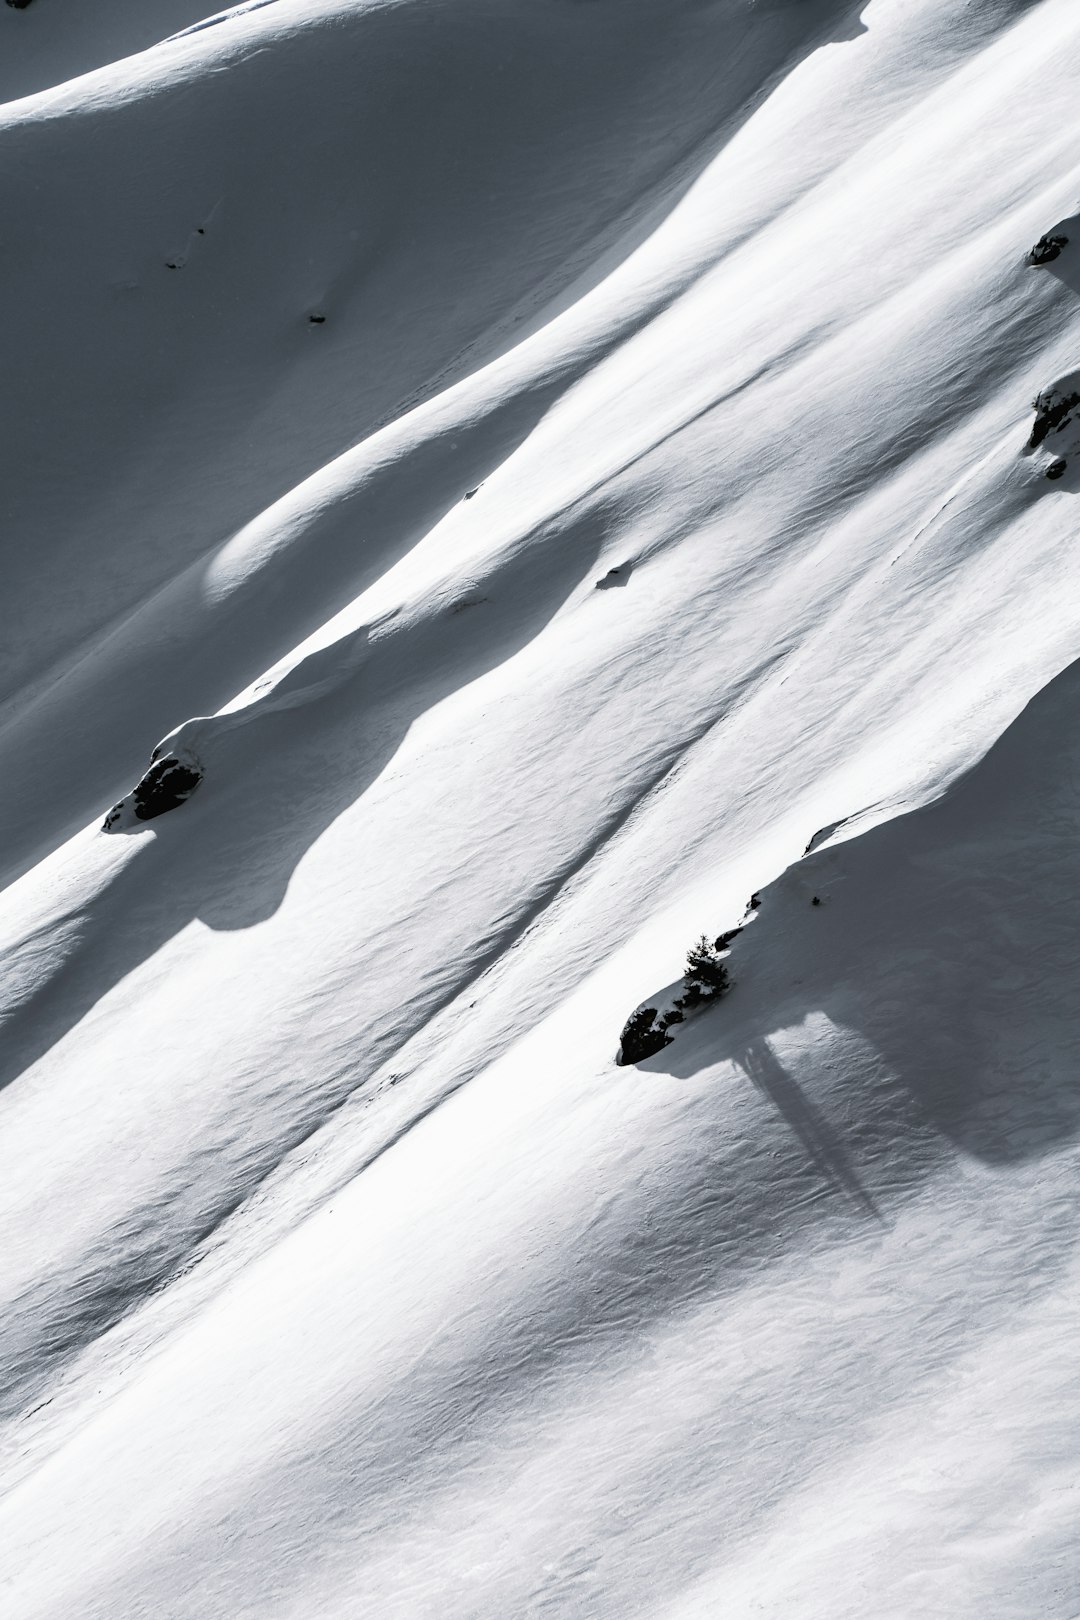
492,491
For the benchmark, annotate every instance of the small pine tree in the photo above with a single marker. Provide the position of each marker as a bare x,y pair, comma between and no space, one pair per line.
706,970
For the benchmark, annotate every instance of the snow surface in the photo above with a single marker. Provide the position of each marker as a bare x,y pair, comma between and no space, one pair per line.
343,1272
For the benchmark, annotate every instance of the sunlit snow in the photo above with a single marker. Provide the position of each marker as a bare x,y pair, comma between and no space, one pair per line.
487,487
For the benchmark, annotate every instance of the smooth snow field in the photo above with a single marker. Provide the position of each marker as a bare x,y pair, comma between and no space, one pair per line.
509,481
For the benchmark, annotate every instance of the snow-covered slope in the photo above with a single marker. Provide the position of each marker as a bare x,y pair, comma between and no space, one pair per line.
536,465
44,42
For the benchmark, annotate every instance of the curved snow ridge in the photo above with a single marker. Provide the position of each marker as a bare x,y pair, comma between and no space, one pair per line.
220,17
181,760
46,43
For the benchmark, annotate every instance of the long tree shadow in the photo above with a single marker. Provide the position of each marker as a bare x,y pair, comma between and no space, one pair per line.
823,1145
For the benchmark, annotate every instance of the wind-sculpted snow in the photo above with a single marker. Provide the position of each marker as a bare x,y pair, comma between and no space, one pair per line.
488,487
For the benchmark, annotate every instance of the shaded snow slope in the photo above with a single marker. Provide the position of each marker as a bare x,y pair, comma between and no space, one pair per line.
173,384
44,42
342,1270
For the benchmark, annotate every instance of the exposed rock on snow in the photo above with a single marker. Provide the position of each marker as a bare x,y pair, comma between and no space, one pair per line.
1056,411
1047,249
167,784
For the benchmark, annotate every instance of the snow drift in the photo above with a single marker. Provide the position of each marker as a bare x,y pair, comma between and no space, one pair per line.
349,348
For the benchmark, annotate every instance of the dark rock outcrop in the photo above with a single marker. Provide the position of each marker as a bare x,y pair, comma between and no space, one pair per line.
1052,412
165,786
1045,251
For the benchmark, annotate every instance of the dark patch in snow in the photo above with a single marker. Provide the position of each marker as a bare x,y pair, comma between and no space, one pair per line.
705,980
1047,249
618,575
165,786
469,493
1053,410
1057,469
642,1037
822,1144
316,319
18,5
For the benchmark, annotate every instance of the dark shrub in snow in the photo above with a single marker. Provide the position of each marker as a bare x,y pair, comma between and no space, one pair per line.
706,979
642,1036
